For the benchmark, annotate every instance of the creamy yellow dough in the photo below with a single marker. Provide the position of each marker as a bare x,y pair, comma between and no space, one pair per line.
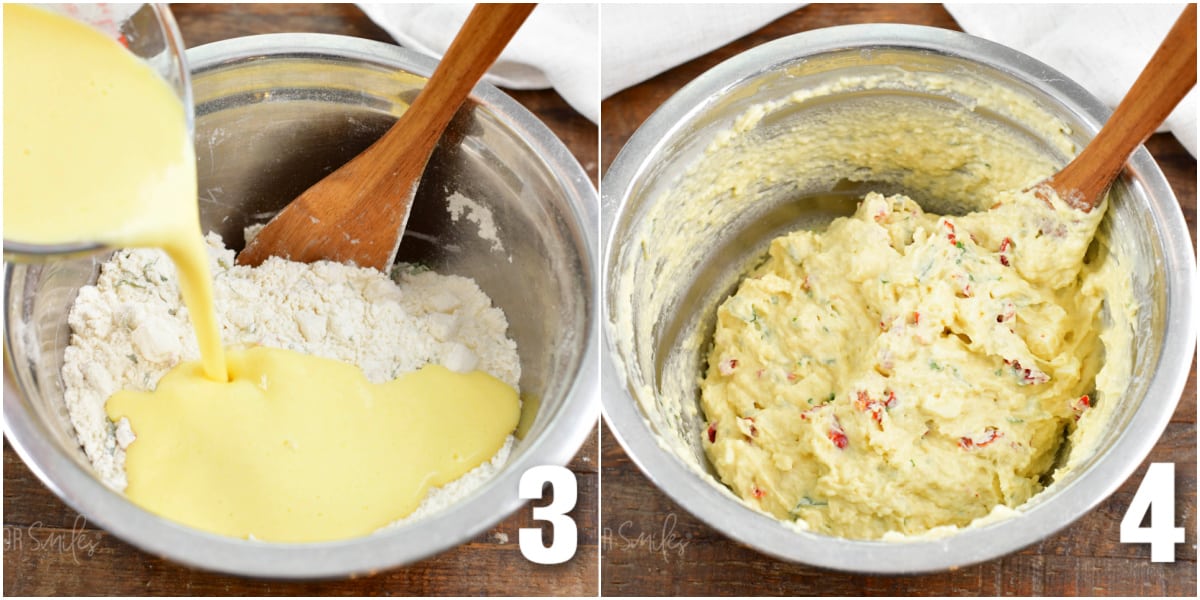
948,432
902,371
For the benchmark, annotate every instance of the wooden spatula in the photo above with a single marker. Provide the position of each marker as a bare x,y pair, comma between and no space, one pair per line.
358,213
1166,79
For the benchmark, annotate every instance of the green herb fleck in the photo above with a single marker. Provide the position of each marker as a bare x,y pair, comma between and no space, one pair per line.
1014,419
933,365
132,358
831,397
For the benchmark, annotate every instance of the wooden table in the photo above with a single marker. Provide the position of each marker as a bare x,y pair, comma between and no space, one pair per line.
652,546
49,549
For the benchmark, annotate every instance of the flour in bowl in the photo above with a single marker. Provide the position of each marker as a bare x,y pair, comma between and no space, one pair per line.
130,328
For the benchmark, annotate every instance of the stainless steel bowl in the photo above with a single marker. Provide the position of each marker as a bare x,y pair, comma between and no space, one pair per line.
274,114
661,430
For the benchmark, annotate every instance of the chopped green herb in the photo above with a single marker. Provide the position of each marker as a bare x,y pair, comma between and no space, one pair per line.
933,365
132,358
1014,420
806,501
831,397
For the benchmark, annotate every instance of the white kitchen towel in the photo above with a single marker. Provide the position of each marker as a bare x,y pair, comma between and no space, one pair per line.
639,41
1102,47
558,46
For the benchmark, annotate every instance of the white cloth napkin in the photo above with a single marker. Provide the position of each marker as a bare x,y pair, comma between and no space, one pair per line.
639,41
1103,47
558,46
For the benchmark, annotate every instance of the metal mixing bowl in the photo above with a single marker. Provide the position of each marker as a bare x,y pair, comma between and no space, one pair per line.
661,432
274,114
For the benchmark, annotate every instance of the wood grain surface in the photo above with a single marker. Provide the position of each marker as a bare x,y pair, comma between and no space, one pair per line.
651,546
50,550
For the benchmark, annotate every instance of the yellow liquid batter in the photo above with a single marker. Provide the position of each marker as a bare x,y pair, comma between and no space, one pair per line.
265,455
281,446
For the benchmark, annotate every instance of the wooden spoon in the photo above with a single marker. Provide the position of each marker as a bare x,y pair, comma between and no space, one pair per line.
358,213
1166,79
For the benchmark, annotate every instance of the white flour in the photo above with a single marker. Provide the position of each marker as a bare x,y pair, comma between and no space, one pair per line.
459,205
130,328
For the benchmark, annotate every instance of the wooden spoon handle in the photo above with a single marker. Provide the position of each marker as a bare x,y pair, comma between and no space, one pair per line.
1166,79
465,62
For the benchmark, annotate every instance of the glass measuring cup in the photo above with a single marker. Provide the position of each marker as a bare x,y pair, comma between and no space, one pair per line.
150,33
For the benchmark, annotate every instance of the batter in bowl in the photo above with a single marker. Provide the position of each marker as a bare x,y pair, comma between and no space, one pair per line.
902,371
915,368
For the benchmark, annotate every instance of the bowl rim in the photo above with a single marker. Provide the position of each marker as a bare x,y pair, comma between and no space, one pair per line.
717,507
574,420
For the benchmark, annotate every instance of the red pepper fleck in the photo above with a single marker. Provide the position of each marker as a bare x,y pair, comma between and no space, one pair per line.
950,236
1010,311
1004,246
804,284
759,373
712,432
1080,405
124,41
837,436
916,317
792,377
753,429
990,434
727,366
864,402
891,399
1028,376
758,493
